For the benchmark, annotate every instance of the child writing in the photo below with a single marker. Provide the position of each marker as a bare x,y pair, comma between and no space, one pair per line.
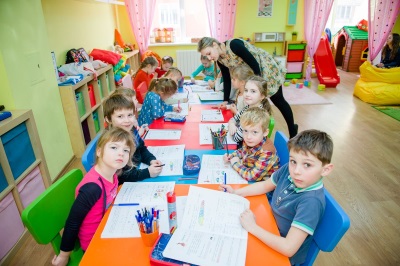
207,69
176,75
119,112
252,162
239,76
255,95
154,106
166,64
144,74
298,202
96,191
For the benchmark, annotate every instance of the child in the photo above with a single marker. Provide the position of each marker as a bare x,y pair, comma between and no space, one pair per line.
154,106
166,64
252,162
255,95
207,68
97,190
119,112
144,74
176,75
298,202
131,95
239,76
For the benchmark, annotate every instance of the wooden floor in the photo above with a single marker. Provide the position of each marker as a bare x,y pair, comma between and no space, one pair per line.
365,180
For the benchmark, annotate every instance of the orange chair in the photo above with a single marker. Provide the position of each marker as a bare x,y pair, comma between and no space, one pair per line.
141,91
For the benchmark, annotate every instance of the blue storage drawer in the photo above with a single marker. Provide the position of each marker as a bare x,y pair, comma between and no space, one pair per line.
18,148
3,181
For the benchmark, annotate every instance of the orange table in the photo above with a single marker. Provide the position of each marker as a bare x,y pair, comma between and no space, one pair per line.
131,251
190,135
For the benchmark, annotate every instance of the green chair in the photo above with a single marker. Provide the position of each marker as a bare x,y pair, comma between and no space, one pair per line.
45,217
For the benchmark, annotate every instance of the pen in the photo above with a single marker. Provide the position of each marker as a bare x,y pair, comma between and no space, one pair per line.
160,165
225,181
187,178
179,104
126,204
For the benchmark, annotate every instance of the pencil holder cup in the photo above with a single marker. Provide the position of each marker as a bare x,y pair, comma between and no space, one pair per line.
149,239
218,142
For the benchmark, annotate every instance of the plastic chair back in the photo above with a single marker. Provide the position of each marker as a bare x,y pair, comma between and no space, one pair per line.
46,215
280,143
141,92
331,229
88,156
271,126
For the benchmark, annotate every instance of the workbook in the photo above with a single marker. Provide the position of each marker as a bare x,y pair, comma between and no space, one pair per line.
163,134
212,116
211,96
213,170
184,106
172,156
210,233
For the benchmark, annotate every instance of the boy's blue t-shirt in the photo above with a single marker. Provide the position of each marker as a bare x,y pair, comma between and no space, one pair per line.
300,208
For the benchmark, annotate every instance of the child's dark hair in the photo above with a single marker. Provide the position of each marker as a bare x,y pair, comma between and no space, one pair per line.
115,135
242,72
116,101
253,116
164,85
262,85
167,59
395,45
150,60
316,142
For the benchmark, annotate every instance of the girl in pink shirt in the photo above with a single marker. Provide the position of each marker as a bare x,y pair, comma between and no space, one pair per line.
96,191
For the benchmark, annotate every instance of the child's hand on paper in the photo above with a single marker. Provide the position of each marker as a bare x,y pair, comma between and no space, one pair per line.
232,127
226,157
155,169
223,105
226,188
185,100
234,160
192,80
211,83
143,129
233,108
248,220
177,109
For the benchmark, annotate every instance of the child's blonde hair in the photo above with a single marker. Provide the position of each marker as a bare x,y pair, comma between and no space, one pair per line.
115,135
117,101
263,87
166,86
242,72
129,93
150,60
173,70
316,142
253,116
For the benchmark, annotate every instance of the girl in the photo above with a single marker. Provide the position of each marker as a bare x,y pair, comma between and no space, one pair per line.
154,106
255,95
391,52
144,74
166,64
239,76
238,52
96,191
207,69
175,74
119,112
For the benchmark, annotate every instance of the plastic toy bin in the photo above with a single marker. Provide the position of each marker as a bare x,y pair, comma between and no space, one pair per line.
293,67
31,187
295,55
91,95
81,103
96,121
18,148
11,224
3,180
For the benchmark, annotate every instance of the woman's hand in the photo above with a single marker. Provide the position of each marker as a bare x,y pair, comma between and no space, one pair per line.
380,65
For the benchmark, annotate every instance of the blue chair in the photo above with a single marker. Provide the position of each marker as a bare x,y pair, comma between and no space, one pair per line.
88,156
280,143
331,229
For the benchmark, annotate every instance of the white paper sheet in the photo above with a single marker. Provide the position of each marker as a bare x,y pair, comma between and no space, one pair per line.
205,134
185,109
210,233
213,169
172,156
163,134
198,88
211,96
211,116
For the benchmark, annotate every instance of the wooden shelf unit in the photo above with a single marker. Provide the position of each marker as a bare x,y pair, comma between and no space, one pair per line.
296,59
133,60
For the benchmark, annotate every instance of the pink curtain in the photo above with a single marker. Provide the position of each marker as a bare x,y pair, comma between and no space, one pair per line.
382,16
221,17
140,13
316,13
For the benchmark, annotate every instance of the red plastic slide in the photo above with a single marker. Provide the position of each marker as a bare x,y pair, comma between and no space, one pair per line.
324,64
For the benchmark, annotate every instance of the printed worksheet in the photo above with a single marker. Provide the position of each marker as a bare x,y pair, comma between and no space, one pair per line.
184,106
205,134
210,233
213,170
172,156
212,116
198,88
163,134
182,97
211,96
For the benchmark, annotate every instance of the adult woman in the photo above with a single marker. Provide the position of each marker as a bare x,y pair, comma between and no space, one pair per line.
391,52
237,52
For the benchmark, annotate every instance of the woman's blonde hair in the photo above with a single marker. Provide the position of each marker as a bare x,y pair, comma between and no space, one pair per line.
115,134
163,85
208,42
263,87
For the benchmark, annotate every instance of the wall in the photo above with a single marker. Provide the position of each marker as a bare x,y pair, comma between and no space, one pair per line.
5,92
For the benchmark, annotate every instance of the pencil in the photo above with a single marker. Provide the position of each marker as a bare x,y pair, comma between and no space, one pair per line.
126,204
160,165
226,145
225,181
187,178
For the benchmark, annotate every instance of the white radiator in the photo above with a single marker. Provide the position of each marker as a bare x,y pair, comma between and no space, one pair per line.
188,61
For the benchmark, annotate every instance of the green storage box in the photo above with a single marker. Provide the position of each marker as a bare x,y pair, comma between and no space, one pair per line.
108,83
96,121
294,75
100,88
81,103
297,46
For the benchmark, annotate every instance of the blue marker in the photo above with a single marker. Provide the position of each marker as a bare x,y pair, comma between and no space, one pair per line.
225,181
126,204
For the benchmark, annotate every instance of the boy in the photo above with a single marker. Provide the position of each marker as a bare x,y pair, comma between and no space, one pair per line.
298,202
119,112
252,162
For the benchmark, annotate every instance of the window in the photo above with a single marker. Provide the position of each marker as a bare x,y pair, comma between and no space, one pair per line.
344,12
187,18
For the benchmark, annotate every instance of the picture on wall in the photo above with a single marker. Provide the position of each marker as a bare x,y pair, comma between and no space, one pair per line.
265,8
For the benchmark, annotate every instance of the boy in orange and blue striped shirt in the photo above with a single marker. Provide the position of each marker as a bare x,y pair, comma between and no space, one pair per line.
252,162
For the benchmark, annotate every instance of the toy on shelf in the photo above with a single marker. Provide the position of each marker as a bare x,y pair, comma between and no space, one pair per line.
294,81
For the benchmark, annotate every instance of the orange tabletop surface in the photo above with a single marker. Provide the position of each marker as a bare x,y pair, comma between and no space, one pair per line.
132,251
190,135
